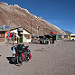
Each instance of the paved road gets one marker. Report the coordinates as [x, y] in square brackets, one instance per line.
[56, 59]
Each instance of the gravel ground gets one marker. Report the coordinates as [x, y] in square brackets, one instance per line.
[52, 59]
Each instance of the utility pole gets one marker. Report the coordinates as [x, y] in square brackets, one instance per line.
[37, 29]
[31, 28]
[45, 30]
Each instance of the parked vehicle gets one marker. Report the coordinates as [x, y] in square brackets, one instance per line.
[72, 36]
[20, 53]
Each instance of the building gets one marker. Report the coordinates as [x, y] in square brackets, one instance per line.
[23, 34]
[56, 35]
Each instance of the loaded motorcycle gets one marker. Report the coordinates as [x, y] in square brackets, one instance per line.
[20, 53]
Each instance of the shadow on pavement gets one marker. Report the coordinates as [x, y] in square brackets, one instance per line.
[11, 60]
[69, 40]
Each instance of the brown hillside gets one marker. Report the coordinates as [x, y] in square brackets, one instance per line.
[17, 16]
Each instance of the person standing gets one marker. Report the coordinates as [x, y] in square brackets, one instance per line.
[17, 39]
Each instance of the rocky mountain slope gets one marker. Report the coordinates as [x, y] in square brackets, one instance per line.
[14, 15]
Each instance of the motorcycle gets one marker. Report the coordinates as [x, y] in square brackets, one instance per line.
[20, 53]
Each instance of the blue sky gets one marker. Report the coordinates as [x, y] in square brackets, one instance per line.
[58, 12]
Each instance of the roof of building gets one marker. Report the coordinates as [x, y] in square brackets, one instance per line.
[8, 28]
[54, 33]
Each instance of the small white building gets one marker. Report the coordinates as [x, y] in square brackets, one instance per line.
[22, 34]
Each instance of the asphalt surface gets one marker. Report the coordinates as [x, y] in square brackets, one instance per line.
[52, 59]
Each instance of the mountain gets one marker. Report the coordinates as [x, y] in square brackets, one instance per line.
[67, 32]
[14, 15]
